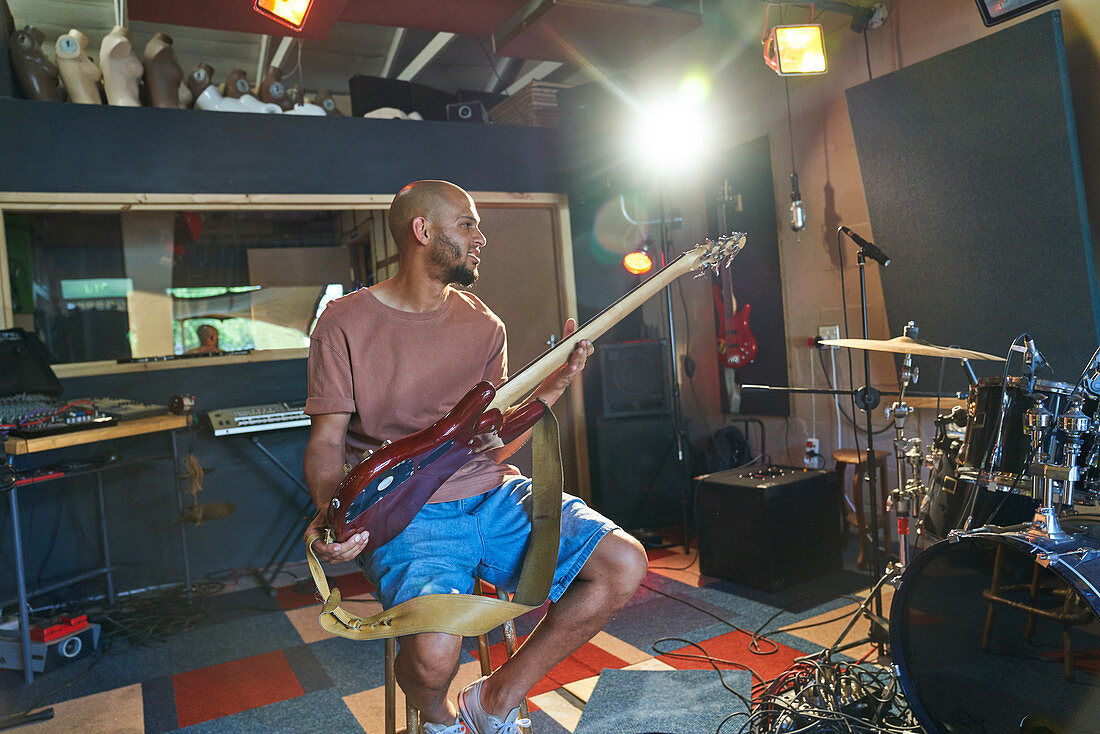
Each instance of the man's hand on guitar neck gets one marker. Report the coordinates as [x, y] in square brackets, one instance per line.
[555, 384]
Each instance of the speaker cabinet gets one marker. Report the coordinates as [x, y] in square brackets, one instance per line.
[472, 111]
[634, 378]
[637, 471]
[768, 528]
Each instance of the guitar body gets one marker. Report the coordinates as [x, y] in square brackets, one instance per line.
[738, 345]
[386, 489]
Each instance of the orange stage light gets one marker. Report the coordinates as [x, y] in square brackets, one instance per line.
[637, 262]
[291, 13]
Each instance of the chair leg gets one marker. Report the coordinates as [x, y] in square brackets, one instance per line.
[510, 647]
[861, 520]
[391, 686]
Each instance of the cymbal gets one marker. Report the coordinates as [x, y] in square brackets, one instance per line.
[908, 345]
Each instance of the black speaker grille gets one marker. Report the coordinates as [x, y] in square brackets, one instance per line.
[634, 378]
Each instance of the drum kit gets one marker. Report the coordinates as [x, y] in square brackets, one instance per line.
[995, 620]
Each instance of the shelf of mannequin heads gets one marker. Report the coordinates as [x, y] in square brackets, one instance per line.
[154, 80]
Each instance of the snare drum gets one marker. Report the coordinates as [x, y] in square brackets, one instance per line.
[996, 447]
[999, 632]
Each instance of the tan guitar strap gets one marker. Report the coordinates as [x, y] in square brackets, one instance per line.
[467, 614]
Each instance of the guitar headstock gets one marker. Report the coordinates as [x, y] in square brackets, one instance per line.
[713, 254]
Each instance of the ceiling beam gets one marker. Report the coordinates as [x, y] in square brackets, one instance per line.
[429, 52]
[542, 70]
[391, 55]
[499, 69]
[261, 63]
[280, 54]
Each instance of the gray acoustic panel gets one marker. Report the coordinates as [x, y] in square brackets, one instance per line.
[973, 182]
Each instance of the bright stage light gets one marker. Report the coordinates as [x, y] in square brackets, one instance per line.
[291, 13]
[672, 135]
[638, 262]
[793, 50]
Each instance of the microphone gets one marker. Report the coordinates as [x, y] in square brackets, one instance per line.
[868, 248]
[1034, 357]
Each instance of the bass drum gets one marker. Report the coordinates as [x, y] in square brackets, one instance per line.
[952, 498]
[987, 639]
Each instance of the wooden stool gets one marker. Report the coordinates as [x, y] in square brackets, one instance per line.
[412, 716]
[844, 457]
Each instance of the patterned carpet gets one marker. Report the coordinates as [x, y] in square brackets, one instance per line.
[256, 663]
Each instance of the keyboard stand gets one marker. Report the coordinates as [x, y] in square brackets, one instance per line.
[290, 541]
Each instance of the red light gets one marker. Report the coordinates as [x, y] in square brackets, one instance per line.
[291, 13]
[637, 262]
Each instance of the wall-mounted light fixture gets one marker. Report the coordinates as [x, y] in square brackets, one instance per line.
[291, 13]
[795, 49]
[638, 262]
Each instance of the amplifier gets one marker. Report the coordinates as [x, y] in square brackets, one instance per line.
[51, 653]
[770, 527]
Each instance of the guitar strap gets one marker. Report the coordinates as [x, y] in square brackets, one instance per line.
[469, 615]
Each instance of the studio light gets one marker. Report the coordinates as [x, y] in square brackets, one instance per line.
[673, 134]
[638, 262]
[291, 13]
[795, 50]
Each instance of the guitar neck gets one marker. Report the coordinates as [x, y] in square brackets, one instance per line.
[526, 380]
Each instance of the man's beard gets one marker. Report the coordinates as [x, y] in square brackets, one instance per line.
[445, 253]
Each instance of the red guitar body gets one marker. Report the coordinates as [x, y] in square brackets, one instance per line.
[736, 344]
[385, 490]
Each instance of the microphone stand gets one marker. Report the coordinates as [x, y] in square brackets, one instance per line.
[683, 479]
[867, 398]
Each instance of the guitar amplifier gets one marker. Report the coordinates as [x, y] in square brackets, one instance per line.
[768, 527]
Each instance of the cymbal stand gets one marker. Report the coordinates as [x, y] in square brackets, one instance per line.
[901, 497]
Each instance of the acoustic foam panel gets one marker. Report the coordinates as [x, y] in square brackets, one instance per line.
[973, 183]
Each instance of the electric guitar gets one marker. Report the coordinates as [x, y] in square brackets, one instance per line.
[735, 343]
[385, 490]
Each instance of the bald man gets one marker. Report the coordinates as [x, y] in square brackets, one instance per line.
[389, 360]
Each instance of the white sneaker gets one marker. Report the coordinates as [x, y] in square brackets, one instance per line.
[456, 728]
[481, 722]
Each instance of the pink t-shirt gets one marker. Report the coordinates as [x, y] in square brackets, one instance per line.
[398, 372]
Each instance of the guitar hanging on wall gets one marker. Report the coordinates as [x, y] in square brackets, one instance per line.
[385, 490]
[735, 343]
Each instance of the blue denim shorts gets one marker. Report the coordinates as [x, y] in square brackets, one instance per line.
[449, 543]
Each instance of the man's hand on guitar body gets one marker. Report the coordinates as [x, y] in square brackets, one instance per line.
[334, 552]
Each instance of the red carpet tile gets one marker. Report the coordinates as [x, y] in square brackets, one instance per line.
[734, 646]
[239, 685]
[350, 585]
[1087, 660]
[586, 662]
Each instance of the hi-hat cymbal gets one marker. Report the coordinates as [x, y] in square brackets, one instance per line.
[907, 345]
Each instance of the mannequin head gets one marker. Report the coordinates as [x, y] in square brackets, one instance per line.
[121, 69]
[201, 77]
[236, 84]
[325, 101]
[272, 89]
[80, 74]
[36, 73]
[162, 72]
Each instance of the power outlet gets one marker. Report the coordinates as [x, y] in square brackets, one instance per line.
[828, 332]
